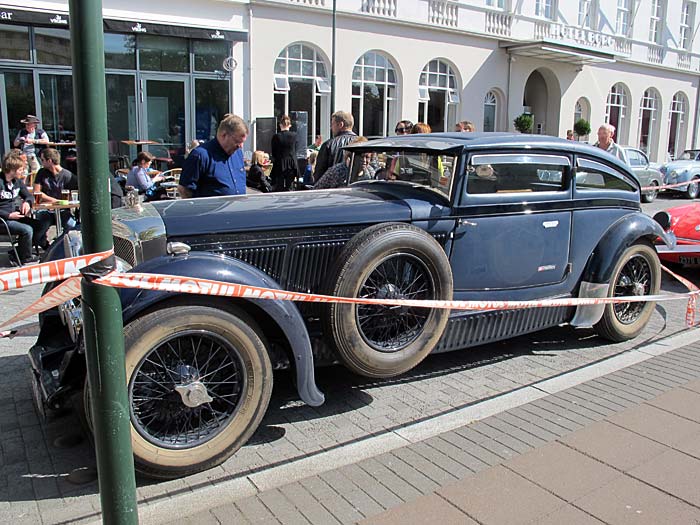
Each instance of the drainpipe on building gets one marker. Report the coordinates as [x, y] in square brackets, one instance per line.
[694, 143]
[510, 62]
[253, 122]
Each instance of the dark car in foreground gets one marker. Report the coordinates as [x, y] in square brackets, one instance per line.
[445, 216]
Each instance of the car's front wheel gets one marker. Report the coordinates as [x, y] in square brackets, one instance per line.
[636, 273]
[389, 261]
[650, 195]
[199, 382]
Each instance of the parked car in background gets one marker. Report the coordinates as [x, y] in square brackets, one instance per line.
[685, 169]
[465, 216]
[684, 223]
[647, 175]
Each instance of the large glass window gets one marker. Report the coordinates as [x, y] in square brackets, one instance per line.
[52, 46]
[58, 113]
[677, 125]
[587, 13]
[616, 111]
[163, 53]
[121, 111]
[438, 95]
[656, 21]
[209, 55]
[624, 13]
[19, 95]
[490, 111]
[302, 89]
[14, 43]
[374, 95]
[211, 104]
[647, 120]
[687, 24]
[545, 8]
[120, 51]
[501, 4]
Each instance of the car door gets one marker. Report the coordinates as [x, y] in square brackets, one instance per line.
[513, 223]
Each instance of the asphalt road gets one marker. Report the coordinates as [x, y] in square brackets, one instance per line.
[45, 467]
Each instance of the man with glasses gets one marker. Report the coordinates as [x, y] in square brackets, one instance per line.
[403, 127]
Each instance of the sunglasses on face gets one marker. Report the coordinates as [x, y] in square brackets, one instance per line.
[399, 131]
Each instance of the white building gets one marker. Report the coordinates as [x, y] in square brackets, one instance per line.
[633, 63]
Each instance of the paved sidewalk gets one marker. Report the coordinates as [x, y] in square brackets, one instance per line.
[622, 448]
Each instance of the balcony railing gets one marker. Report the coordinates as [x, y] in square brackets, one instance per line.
[313, 3]
[443, 13]
[498, 23]
[683, 60]
[380, 7]
[655, 54]
[623, 45]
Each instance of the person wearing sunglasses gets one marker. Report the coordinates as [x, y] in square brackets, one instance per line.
[403, 127]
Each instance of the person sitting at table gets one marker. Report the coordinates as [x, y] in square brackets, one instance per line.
[28, 138]
[138, 177]
[51, 181]
[256, 178]
[16, 209]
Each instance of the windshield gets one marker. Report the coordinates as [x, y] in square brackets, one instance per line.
[430, 170]
[688, 155]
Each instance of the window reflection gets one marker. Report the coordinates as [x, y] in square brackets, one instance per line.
[120, 51]
[52, 46]
[14, 43]
[163, 53]
[57, 106]
[210, 56]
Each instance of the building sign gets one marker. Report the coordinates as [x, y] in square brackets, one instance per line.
[575, 34]
[36, 18]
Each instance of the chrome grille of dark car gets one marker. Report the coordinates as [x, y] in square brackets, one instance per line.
[269, 259]
[309, 265]
[124, 249]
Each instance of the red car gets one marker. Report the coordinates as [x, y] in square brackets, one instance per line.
[684, 222]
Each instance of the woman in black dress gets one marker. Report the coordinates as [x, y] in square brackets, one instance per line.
[284, 156]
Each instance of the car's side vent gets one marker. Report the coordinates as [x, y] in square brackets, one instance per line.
[269, 259]
[124, 249]
[310, 263]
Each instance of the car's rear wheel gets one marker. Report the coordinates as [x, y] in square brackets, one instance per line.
[650, 195]
[199, 382]
[693, 188]
[636, 273]
[389, 261]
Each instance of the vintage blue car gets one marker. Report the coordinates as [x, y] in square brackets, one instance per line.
[686, 168]
[441, 216]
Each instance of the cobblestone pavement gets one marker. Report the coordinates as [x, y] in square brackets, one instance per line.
[47, 468]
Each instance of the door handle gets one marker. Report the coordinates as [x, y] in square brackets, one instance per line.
[465, 222]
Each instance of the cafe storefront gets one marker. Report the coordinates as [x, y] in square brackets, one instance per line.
[165, 83]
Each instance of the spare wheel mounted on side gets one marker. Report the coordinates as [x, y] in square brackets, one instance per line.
[388, 261]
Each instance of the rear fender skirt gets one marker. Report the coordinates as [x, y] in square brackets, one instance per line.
[206, 265]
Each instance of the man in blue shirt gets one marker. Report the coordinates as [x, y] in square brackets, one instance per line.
[216, 167]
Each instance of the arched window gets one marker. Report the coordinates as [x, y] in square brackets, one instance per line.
[438, 96]
[647, 122]
[677, 128]
[582, 110]
[374, 95]
[490, 111]
[616, 111]
[302, 89]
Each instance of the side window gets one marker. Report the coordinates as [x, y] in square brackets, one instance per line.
[595, 176]
[634, 158]
[516, 173]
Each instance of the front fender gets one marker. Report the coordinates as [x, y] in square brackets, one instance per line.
[620, 236]
[206, 265]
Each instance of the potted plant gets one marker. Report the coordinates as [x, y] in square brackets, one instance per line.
[582, 127]
[523, 123]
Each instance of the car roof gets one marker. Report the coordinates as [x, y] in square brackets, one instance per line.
[454, 142]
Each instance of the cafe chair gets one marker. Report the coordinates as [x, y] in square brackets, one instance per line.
[172, 175]
[6, 236]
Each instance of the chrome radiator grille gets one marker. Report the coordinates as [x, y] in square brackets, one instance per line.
[124, 249]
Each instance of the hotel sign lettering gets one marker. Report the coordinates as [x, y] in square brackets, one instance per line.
[578, 35]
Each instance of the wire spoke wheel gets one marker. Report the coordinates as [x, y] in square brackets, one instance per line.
[391, 328]
[171, 384]
[634, 279]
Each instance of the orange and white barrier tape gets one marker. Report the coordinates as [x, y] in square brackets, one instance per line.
[48, 272]
[65, 291]
[692, 296]
[667, 186]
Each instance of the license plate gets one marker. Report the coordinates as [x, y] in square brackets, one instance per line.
[683, 259]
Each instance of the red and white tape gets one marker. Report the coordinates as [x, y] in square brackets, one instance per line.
[666, 186]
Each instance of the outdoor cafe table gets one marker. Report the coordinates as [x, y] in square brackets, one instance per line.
[61, 144]
[139, 143]
[56, 208]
